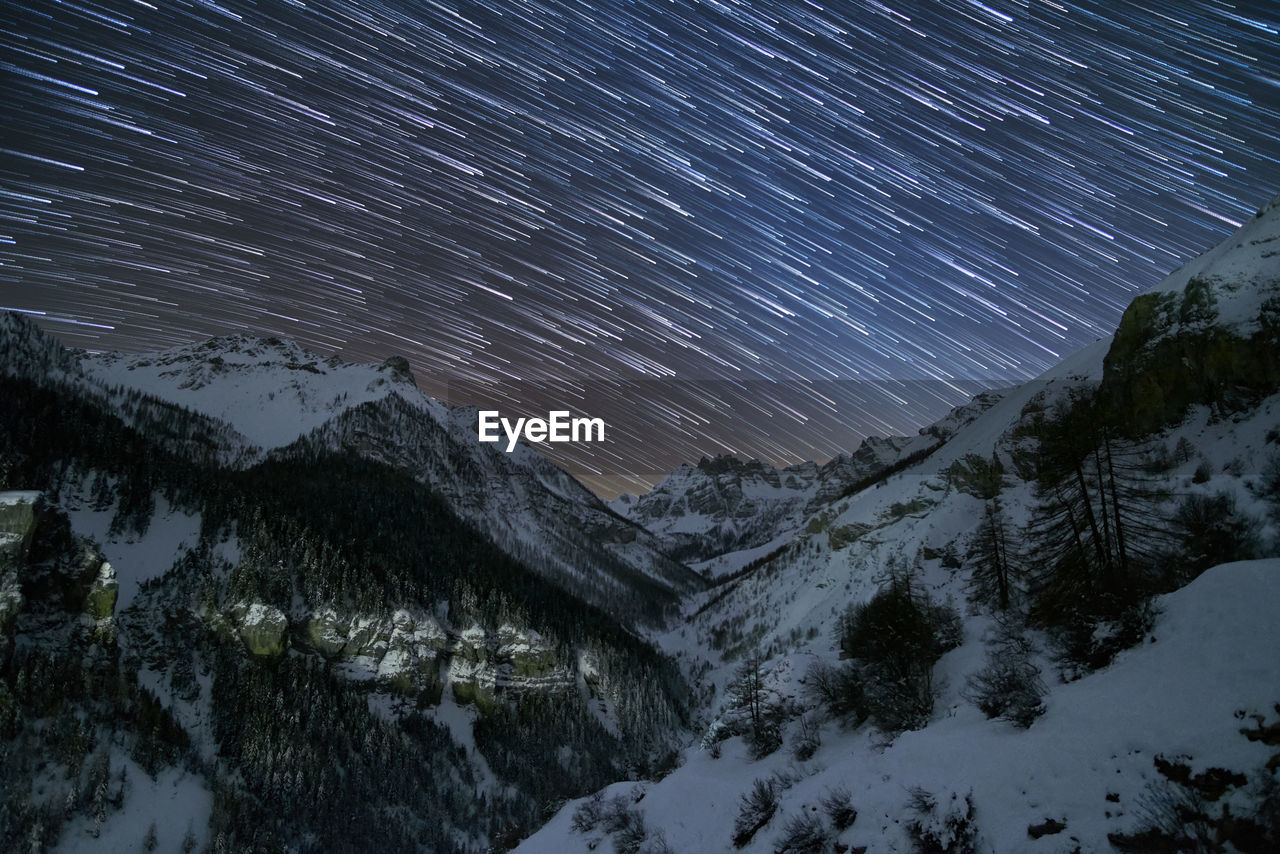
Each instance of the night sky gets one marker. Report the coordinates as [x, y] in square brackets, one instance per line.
[760, 227]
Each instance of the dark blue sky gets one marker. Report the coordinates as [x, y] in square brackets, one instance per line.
[694, 212]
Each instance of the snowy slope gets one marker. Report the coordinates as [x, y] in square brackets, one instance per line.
[176, 805]
[272, 390]
[1179, 695]
[1244, 270]
[846, 548]
[724, 505]
[1087, 763]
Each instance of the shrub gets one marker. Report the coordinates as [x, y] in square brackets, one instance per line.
[766, 738]
[1184, 812]
[588, 814]
[1268, 485]
[624, 824]
[803, 834]
[1085, 645]
[836, 688]
[893, 641]
[628, 838]
[755, 809]
[942, 828]
[1009, 687]
[838, 804]
[1210, 530]
[615, 814]
[658, 844]
[808, 739]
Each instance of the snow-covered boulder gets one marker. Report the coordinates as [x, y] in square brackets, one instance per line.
[261, 628]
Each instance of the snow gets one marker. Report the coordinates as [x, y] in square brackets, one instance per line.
[271, 391]
[1208, 666]
[1209, 663]
[12, 498]
[458, 719]
[136, 560]
[174, 801]
[727, 564]
[985, 431]
[1239, 266]
[1212, 657]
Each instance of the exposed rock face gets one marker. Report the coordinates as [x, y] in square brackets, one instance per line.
[17, 523]
[413, 647]
[261, 628]
[1170, 353]
[100, 599]
[17, 520]
[398, 369]
[1208, 334]
[529, 656]
[100, 602]
[484, 664]
[406, 650]
[362, 635]
[326, 633]
[55, 588]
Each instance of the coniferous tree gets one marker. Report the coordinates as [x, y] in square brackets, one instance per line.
[763, 714]
[992, 553]
[1009, 686]
[892, 643]
[1097, 532]
[996, 574]
[1210, 529]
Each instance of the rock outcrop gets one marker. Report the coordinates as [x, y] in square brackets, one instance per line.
[262, 628]
[1209, 334]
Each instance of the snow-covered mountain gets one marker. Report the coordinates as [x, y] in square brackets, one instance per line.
[1198, 697]
[235, 575]
[1205, 334]
[271, 390]
[724, 505]
[1191, 381]
[280, 400]
[191, 538]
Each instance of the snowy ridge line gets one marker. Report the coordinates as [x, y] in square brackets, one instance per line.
[269, 399]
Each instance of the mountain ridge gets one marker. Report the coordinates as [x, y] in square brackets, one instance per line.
[276, 399]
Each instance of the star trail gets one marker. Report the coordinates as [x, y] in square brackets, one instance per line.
[760, 227]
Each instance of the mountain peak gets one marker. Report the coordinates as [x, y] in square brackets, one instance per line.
[399, 369]
[727, 463]
[271, 389]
